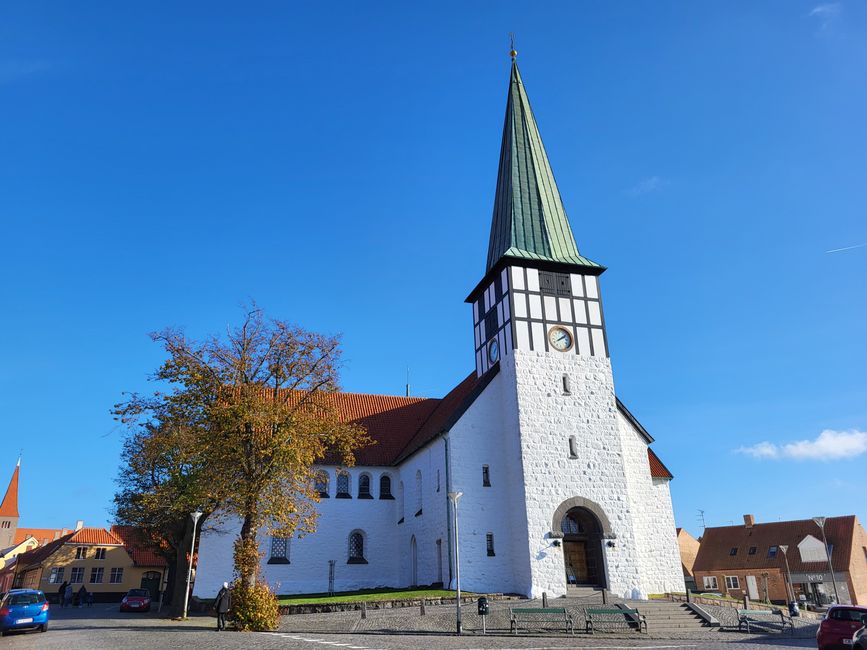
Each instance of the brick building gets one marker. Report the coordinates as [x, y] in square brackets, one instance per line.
[750, 559]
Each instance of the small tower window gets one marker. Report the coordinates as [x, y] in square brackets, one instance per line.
[573, 447]
[364, 487]
[489, 541]
[567, 385]
[418, 493]
[343, 486]
[385, 487]
[321, 484]
[486, 476]
[438, 480]
[356, 548]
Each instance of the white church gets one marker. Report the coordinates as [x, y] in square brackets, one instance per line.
[559, 484]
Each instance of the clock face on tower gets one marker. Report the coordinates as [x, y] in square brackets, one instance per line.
[560, 339]
[493, 351]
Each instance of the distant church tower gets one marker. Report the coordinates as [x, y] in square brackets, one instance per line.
[9, 511]
[586, 498]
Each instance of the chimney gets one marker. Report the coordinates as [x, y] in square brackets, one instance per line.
[749, 521]
[56, 534]
[79, 524]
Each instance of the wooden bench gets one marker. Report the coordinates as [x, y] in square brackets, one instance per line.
[527, 617]
[747, 616]
[614, 618]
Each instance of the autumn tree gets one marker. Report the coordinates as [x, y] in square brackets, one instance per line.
[164, 476]
[256, 405]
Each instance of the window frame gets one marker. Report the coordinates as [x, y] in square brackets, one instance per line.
[489, 544]
[79, 571]
[96, 571]
[706, 579]
[275, 557]
[732, 582]
[486, 476]
[55, 576]
[733, 551]
[99, 553]
[115, 575]
[753, 550]
[360, 558]
[80, 552]
[344, 476]
[322, 478]
[364, 493]
[773, 551]
[385, 494]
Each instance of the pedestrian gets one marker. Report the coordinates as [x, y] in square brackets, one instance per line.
[222, 605]
[90, 599]
[61, 593]
[67, 596]
[82, 596]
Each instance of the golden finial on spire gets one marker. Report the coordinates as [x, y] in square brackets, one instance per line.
[512, 51]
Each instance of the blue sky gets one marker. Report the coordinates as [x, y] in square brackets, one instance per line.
[164, 163]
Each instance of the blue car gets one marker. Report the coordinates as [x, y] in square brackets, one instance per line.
[23, 608]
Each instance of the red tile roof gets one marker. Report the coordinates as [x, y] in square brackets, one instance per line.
[9, 506]
[657, 469]
[96, 536]
[716, 544]
[41, 553]
[140, 550]
[42, 535]
[400, 426]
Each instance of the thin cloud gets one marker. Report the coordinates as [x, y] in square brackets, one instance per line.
[647, 185]
[828, 445]
[846, 248]
[826, 13]
[13, 69]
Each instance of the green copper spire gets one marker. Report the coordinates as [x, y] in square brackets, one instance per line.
[529, 220]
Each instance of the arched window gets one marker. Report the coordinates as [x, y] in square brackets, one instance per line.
[364, 487]
[321, 483]
[356, 548]
[279, 550]
[385, 487]
[343, 485]
[418, 499]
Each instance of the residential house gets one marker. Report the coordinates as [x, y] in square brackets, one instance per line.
[751, 559]
[93, 557]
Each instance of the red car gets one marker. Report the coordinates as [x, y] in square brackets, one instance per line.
[839, 626]
[136, 600]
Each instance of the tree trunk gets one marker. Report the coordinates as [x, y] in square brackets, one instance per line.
[180, 574]
[248, 571]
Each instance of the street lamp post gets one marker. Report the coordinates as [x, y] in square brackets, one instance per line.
[195, 517]
[454, 497]
[790, 589]
[820, 522]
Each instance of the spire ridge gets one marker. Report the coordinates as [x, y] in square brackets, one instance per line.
[529, 219]
[9, 505]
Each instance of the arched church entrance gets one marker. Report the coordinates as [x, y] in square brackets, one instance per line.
[582, 548]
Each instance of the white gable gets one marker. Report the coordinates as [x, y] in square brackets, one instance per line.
[812, 550]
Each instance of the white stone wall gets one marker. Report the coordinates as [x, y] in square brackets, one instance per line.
[387, 543]
[547, 418]
[487, 434]
[653, 517]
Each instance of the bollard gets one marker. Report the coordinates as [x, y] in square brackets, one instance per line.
[746, 602]
[364, 609]
[422, 608]
[604, 596]
[545, 599]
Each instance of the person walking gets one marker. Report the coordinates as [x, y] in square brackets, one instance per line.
[61, 593]
[82, 596]
[67, 596]
[222, 605]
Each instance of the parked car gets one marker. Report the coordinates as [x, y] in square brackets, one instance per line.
[840, 625]
[22, 609]
[136, 600]
[859, 641]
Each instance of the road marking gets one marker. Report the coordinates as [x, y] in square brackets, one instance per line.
[295, 637]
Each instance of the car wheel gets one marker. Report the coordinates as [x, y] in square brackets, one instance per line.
[43, 627]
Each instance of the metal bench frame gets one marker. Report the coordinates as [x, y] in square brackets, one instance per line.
[560, 615]
[628, 616]
[747, 616]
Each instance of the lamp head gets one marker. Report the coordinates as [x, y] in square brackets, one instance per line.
[820, 521]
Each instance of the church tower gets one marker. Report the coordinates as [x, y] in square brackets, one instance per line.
[586, 509]
[9, 511]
